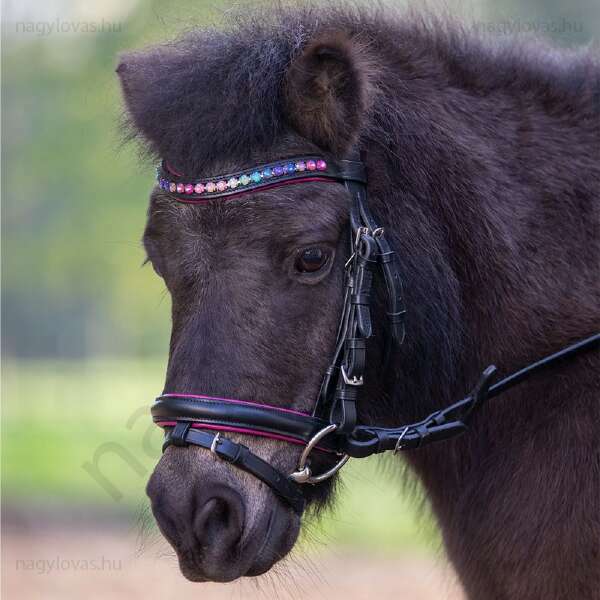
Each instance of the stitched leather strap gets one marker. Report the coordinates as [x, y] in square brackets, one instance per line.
[368, 248]
[240, 456]
[215, 411]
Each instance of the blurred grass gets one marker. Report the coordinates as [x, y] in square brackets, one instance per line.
[60, 415]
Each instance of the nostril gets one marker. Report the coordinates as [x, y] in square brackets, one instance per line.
[219, 521]
[212, 517]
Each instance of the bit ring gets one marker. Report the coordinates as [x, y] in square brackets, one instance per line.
[303, 474]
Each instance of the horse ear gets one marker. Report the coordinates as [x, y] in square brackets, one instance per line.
[142, 76]
[328, 91]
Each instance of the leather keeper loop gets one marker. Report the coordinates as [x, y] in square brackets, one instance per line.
[387, 257]
[346, 393]
[361, 299]
[396, 317]
[356, 343]
[179, 433]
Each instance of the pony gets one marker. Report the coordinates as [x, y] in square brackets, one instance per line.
[483, 162]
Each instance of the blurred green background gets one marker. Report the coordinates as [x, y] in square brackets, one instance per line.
[84, 326]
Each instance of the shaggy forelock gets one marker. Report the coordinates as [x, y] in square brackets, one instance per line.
[218, 91]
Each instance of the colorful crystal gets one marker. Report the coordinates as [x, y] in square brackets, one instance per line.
[255, 177]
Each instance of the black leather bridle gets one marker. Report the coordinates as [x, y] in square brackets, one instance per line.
[332, 426]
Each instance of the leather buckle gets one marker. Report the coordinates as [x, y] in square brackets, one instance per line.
[398, 445]
[355, 381]
[215, 443]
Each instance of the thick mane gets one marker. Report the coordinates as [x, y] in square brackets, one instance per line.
[219, 91]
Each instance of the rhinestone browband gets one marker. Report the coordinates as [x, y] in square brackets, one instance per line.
[186, 189]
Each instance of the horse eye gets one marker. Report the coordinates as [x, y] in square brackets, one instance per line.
[311, 260]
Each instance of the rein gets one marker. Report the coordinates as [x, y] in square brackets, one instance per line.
[332, 426]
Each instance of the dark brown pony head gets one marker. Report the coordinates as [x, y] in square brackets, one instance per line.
[256, 281]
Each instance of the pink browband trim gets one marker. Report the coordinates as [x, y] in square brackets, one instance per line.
[269, 186]
[256, 432]
[245, 402]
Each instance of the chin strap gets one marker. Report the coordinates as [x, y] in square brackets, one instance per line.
[239, 455]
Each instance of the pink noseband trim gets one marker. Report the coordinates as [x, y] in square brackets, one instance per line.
[245, 402]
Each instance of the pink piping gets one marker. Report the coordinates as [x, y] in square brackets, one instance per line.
[245, 402]
[256, 432]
